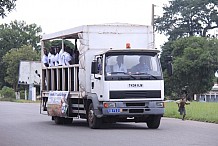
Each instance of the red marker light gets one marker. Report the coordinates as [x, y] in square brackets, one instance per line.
[128, 46]
[105, 105]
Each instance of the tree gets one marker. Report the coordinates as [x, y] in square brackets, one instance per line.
[15, 35]
[195, 62]
[12, 59]
[183, 18]
[58, 43]
[18, 33]
[6, 6]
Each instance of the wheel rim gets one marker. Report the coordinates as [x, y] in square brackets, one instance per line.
[91, 116]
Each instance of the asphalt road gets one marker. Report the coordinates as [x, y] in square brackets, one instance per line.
[22, 125]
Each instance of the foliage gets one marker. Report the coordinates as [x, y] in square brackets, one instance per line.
[198, 111]
[6, 6]
[58, 43]
[15, 35]
[195, 62]
[7, 92]
[22, 94]
[182, 18]
[12, 59]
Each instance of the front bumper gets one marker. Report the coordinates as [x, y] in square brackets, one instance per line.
[133, 109]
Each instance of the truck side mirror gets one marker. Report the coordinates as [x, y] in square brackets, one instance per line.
[94, 69]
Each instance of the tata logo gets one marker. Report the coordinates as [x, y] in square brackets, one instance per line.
[136, 85]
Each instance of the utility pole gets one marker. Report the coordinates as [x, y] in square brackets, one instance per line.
[152, 24]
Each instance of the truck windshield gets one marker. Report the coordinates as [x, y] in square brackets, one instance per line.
[132, 66]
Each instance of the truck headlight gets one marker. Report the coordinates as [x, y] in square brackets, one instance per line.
[160, 104]
[109, 104]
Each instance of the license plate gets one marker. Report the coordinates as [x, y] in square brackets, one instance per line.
[114, 110]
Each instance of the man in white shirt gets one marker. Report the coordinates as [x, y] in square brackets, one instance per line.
[51, 57]
[45, 58]
[119, 67]
[57, 57]
[66, 57]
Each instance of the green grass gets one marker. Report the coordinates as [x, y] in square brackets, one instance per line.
[197, 111]
[19, 101]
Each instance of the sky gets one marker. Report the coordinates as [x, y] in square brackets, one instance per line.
[57, 15]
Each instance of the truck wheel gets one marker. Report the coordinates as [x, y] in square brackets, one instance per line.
[153, 122]
[58, 120]
[93, 121]
[68, 121]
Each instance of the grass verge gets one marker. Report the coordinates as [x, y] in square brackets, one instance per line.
[197, 111]
[19, 101]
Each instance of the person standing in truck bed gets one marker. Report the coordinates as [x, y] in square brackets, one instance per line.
[45, 58]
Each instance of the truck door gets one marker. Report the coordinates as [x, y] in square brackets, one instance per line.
[97, 79]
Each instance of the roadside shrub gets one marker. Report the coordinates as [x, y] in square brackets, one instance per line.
[7, 92]
[22, 94]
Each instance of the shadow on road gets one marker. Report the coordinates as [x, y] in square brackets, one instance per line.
[83, 123]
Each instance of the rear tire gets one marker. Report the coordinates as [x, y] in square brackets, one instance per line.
[93, 121]
[154, 122]
[58, 120]
[68, 121]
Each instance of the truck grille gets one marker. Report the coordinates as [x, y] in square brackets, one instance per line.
[135, 94]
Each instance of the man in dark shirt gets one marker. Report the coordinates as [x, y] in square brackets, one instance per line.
[141, 66]
[181, 104]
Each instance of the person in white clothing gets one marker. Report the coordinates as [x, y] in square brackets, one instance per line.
[119, 67]
[107, 67]
[60, 59]
[66, 57]
[46, 64]
[45, 58]
[57, 57]
[51, 57]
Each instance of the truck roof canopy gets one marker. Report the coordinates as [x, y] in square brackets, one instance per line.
[100, 28]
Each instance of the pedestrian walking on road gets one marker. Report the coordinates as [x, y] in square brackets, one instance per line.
[181, 105]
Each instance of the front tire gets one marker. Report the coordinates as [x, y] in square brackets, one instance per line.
[154, 122]
[93, 121]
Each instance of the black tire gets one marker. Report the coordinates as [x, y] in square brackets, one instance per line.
[68, 121]
[154, 122]
[93, 121]
[58, 120]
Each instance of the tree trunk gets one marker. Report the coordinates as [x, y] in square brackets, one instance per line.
[204, 32]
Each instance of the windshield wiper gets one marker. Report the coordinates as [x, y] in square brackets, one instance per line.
[145, 73]
[124, 74]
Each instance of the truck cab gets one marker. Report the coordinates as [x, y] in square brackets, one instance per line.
[128, 84]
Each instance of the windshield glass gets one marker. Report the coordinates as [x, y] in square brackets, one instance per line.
[132, 66]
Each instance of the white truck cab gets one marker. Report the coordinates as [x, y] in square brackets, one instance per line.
[135, 92]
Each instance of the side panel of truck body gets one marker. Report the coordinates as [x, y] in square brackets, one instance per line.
[97, 38]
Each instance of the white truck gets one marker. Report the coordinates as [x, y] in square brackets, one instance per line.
[95, 89]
